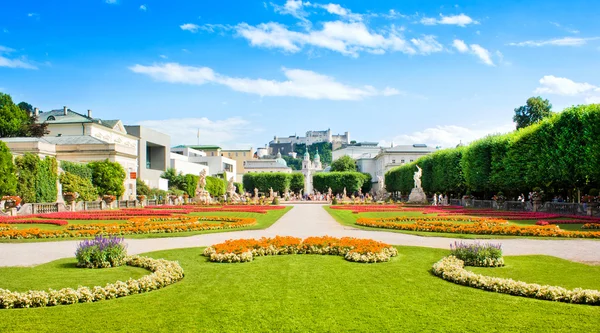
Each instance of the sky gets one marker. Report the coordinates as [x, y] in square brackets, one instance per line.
[241, 72]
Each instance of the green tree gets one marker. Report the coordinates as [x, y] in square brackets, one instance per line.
[25, 107]
[27, 166]
[176, 180]
[215, 186]
[532, 112]
[191, 183]
[296, 182]
[344, 163]
[13, 120]
[108, 177]
[142, 188]
[83, 186]
[79, 169]
[45, 180]
[8, 180]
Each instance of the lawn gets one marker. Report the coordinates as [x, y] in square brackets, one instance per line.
[263, 221]
[314, 293]
[347, 218]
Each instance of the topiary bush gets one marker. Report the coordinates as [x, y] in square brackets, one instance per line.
[101, 252]
[79, 169]
[108, 177]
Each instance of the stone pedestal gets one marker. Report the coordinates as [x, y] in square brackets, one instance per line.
[417, 196]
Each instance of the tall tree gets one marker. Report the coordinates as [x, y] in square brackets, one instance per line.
[12, 118]
[344, 163]
[8, 181]
[532, 112]
[25, 107]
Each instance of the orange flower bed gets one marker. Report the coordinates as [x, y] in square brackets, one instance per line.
[139, 225]
[353, 249]
[479, 227]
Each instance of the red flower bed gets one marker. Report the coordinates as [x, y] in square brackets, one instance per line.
[109, 215]
[564, 222]
[33, 221]
[218, 208]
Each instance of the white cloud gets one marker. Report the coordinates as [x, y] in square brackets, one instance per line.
[112, 2]
[228, 133]
[460, 46]
[336, 9]
[14, 62]
[551, 84]
[294, 8]
[566, 41]
[592, 100]
[348, 38]
[427, 44]
[460, 20]
[448, 136]
[163, 56]
[567, 29]
[143, 8]
[388, 91]
[483, 54]
[475, 49]
[298, 83]
[190, 27]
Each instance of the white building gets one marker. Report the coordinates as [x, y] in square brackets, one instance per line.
[357, 150]
[267, 165]
[309, 168]
[389, 158]
[188, 160]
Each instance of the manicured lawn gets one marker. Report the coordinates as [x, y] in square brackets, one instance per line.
[263, 221]
[312, 293]
[347, 218]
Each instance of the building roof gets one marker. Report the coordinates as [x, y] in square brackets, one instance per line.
[199, 147]
[72, 117]
[264, 164]
[74, 140]
[415, 148]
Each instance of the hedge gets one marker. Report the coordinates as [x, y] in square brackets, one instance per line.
[558, 154]
[350, 180]
[278, 181]
[36, 178]
[108, 177]
[74, 183]
[8, 181]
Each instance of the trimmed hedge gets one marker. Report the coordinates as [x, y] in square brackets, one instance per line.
[36, 178]
[215, 186]
[558, 154]
[279, 181]
[352, 181]
[8, 181]
[80, 169]
[74, 183]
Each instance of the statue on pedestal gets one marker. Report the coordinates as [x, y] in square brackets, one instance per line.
[271, 193]
[381, 191]
[202, 196]
[231, 191]
[417, 195]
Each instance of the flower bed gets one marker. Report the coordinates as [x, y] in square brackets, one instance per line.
[452, 269]
[217, 208]
[140, 225]
[164, 273]
[590, 226]
[101, 252]
[476, 254]
[482, 227]
[546, 222]
[34, 221]
[352, 249]
[4, 227]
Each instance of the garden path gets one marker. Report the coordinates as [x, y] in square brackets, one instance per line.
[301, 221]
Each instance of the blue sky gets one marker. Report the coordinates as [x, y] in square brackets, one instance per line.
[244, 71]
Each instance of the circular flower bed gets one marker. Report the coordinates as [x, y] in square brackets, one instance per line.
[164, 273]
[352, 249]
[452, 269]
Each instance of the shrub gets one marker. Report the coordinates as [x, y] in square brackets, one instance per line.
[36, 178]
[74, 183]
[476, 254]
[190, 184]
[108, 177]
[79, 169]
[296, 182]
[215, 186]
[275, 201]
[141, 188]
[45, 180]
[101, 252]
[8, 181]
[337, 181]
[334, 201]
[280, 182]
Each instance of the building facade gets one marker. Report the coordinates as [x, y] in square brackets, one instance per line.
[153, 155]
[286, 145]
[267, 165]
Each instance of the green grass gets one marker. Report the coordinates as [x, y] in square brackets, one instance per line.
[312, 293]
[347, 218]
[263, 221]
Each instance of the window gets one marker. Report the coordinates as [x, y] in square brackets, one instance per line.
[244, 153]
[393, 161]
[51, 118]
[236, 154]
[148, 159]
[402, 161]
[411, 160]
[212, 153]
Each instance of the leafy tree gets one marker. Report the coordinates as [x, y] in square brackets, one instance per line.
[25, 107]
[215, 186]
[83, 186]
[79, 169]
[293, 163]
[176, 180]
[8, 180]
[368, 183]
[532, 112]
[141, 188]
[108, 177]
[239, 188]
[12, 118]
[344, 163]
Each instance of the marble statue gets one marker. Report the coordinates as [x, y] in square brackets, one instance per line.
[255, 193]
[202, 196]
[417, 177]
[231, 191]
[271, 193]
[435, 200]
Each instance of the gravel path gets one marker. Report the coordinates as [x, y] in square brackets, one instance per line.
[302, 221]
